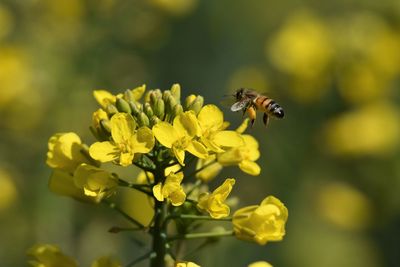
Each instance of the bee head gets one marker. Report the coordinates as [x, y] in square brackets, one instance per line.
[239, 93]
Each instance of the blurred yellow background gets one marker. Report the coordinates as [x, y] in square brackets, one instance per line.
[334, 160]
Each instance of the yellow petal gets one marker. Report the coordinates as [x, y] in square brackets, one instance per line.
[143, 140]
[211, 145]
[104, 98]
[187, 124]
[157, 192]
[138, 92]
[211, 118]
[177, 197]
[179, 155]
[62, 183]
[122, 127]
[260, 264]
[251, 147]
[198, 149]
[104, 151]
[242, 127]
[228, 139]
[165, 134]
[250, 167]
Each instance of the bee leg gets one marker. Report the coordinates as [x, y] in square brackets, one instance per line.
[252, 122]
[265, 119]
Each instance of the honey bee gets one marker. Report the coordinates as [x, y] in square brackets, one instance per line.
[249, 101]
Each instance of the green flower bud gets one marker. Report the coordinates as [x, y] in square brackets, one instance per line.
[153, 98]
[154, 120]
[143, 119]
[134, 108]
[178, 109]
[166, 94]
[128, 95]
[111, 110]
[105, 126]
[148, 110]
[197, 104]
[189, 101]
[171, 103]
[122, 105]
[176, 92]
[159, 108]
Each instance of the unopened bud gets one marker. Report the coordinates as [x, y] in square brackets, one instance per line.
[128, 95]
[105, 126]
[154, 120]
[111, 110]
[148, 110]
[177, 110]
[122, 105]
[143, 119]
[197, 104]
[189, 101]
[152, 98]
[171, 102]
[166, 94]
[159, 108]
[134, 108]
[176, 92]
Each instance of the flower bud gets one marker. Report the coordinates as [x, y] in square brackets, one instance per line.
[111, 109]
[154, 120]
[166, 94]
[122, 105]
[152, 98]
[134, 108]
[148, 110]
[105, 126]
[129, 95]
[171, 103]
[143, 119]
[177, 110]
[176, 92]
[197, 104]
[159, 108]
[189, 101]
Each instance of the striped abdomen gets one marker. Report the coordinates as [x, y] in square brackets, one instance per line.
[269, 106]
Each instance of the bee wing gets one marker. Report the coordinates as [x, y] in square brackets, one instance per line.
[239, 105]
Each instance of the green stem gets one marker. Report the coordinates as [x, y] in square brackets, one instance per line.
[116, 208]
[159, 232]
[201, 235]
[196, 184]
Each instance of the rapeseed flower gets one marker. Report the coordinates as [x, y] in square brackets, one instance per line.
[171, 189]
[261, 223]
[126, 141]
[214, 203]
[180, 136]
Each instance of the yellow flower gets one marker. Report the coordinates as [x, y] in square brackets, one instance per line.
[213, 136]
[180, 136]
[243, 156]
[214, 203]
[46, 255]
[95, 182]
[106, 262]
[65, 152]
[186, 264]
[171, 189]
[127, 141]
[260, 264]
[261, 223]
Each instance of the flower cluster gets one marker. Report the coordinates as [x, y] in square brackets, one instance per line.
[158, 134]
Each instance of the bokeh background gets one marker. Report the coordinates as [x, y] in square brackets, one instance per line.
[334, 160]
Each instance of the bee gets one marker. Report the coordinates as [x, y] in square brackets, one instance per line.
[249, 101]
